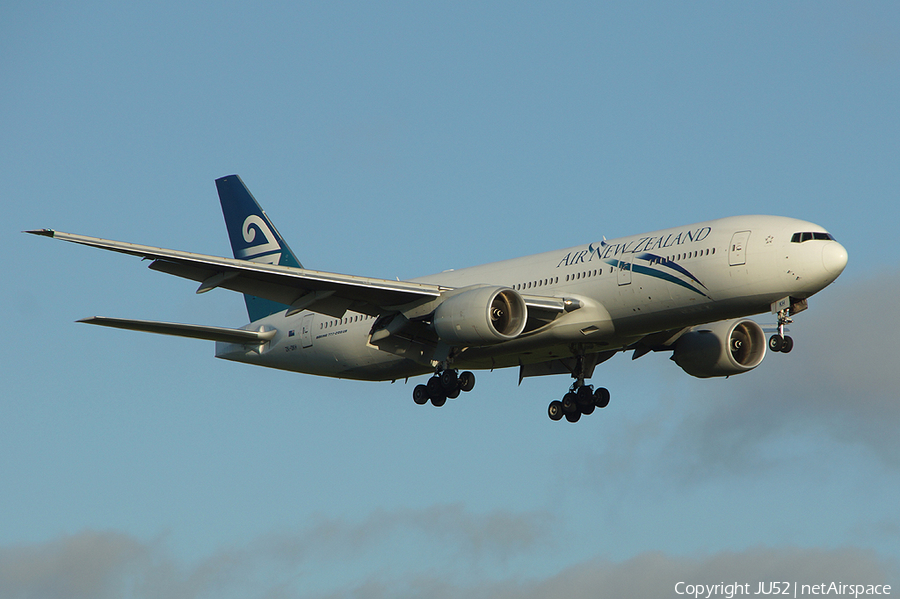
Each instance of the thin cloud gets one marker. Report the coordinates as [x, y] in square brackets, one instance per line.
[838, 388]
[496, 535]
[841, 381]
[86, 565]
[100, 565]
[654, 574]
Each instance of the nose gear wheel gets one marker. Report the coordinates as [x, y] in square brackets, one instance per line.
[779, 342]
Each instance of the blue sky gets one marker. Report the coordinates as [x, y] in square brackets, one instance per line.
[400, 140]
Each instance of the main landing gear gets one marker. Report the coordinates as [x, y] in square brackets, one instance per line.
[579, 400]
[444, 385]
[779, 342]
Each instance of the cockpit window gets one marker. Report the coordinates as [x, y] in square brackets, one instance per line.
[809, 236]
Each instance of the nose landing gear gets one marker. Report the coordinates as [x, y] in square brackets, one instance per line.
[779, 342]
[444, 385]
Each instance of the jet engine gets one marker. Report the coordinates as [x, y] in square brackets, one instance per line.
[721, 348]
[480, 316]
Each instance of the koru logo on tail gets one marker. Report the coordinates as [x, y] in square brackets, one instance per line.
[267, 252]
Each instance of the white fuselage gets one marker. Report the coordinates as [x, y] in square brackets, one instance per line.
[627, 288]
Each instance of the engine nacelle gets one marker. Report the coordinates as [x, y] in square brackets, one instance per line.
[480, 316]
[721, 348]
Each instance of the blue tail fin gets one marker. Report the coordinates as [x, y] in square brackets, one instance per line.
[253, 237]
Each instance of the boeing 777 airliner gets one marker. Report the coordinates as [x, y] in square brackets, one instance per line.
[688, 290]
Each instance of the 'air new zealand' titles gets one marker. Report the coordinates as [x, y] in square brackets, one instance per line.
[687, 290]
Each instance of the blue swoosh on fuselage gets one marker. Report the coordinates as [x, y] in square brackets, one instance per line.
[652, 272]
[671, 264]
[665, 276]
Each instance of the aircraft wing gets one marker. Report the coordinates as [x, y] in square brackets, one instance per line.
[298, 288]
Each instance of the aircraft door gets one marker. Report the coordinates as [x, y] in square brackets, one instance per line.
[623, 271]
[306, 326]
[737, 251]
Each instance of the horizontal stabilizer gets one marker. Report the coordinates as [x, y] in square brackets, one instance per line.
[194, 331]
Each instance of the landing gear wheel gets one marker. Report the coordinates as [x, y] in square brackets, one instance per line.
[443, 385]
[466, 381]
[573, 416]
[420, 395]
[570, 404]
[555, 411]
[776, 343]
[585, 394]
[788, 345]
[601, 397]
[585, 400]
[434, 387]
[449, 380]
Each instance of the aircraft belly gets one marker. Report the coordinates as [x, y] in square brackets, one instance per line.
[340, 352]
[503, 357]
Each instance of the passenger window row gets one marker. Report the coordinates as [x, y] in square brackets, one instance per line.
[348, 320]
[536, 284]
[585, 274]
[684, 256]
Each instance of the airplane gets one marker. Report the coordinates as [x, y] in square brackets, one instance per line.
[688, 290]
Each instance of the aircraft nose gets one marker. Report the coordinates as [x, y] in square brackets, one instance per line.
[834, 258]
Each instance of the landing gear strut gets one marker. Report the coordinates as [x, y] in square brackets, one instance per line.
[779, 342]
[581, 398]
[444, 385]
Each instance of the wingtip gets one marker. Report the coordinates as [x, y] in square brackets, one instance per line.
[42, 232]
